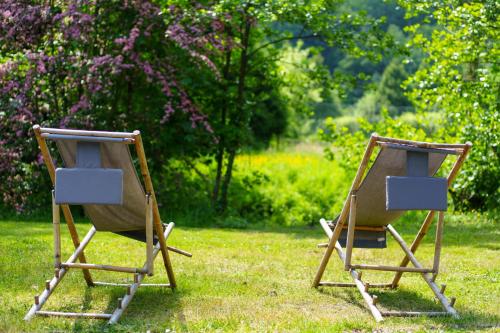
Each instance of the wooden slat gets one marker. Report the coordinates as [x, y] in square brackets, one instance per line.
[104, 267]
[86, 133]
[365, 228]
[149, 235]
[410, 147]
[414, 313]
[347, 285]
[392, 268]
[74, 314]
[112, 284]
[56, 218]
[421, 144]
[88, 138]
[350, 232]
[439, 239]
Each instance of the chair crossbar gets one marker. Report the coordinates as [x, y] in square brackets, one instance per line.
[349, 285]
[83, 132]
[111, 284]
[103, 267]
[415, 313]
[74, 314]
[393, 268]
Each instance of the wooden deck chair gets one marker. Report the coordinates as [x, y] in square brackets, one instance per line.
[100, 175]
[400, 179]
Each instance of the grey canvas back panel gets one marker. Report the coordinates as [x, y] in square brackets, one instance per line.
[417, 164]
[371, 196]
[416, 193]
[131, 215]
[80, 186]
[88, 155]
[365, 239]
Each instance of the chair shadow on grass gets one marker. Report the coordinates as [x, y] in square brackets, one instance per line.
[485, 235]
[155, 306]
[406, 300]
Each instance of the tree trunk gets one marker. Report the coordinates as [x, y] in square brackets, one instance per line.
[227, 179]
[221, 145]
[239, 118]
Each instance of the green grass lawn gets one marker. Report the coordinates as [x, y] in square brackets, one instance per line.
[249, 280]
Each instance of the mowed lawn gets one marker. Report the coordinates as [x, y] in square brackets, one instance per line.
[249, 280]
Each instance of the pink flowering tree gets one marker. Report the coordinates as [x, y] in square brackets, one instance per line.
[96, 64]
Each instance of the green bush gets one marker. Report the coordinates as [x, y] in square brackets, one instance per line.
[287, 188]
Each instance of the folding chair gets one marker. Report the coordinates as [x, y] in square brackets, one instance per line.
[400, 179]
[99, 174]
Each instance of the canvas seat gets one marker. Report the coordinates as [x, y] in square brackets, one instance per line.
[402, 177]
[98, 172]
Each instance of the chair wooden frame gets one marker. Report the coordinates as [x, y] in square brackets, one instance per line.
[153, 225]
[355, 270]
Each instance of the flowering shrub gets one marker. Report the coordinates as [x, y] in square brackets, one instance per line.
[89, 64]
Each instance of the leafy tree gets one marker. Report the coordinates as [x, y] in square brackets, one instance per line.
[390, 93]
[456, 87]
[256, 29]
[460, 77]
[304, 89]
[96, 64]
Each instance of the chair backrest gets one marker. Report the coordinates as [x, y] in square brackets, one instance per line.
[391, 161]
[113, 198]
[416, 190]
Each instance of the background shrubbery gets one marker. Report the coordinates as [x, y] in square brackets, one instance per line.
[213, 86]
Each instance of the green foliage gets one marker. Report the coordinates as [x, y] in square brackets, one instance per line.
[287, 188]
[390, 94]
[460, 77]
[348, 148]
[306, 95]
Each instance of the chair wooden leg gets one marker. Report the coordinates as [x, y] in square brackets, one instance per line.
[125, 301]
[350, 233]
[361, 287]
[426, 276]
[56, 219]
[149, 235]
[333, 236]
[439, 239]
[54, 282]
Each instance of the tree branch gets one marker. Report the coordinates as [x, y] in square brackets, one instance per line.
[279, 40]
[203, 176]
